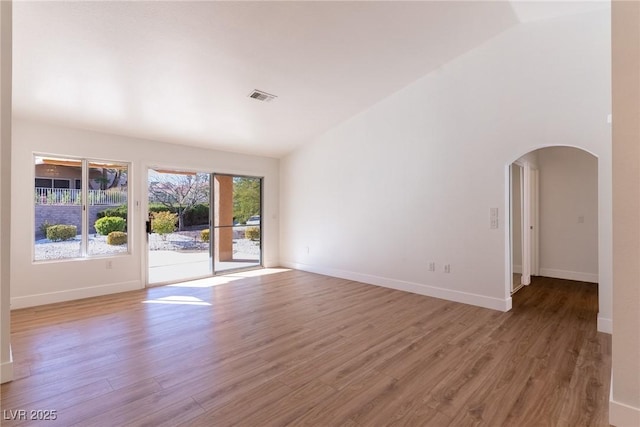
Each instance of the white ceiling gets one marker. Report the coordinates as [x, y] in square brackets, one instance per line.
[180, 72]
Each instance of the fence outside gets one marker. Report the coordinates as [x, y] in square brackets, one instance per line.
[71, 196]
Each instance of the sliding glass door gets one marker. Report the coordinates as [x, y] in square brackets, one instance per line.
[237, 222]
[187, 239]
[179, 214]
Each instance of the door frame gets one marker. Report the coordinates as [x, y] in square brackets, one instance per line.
[515, 287]
[534, 220]
[143, 207]
[529, 200]
[604, 231]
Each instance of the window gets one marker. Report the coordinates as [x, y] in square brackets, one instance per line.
[72, 196]
[52, 183]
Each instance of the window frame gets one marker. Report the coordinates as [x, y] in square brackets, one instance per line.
[85, 186]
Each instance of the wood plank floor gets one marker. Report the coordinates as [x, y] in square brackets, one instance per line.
[294, 348]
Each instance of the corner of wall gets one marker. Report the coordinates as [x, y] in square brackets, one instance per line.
[6, 358]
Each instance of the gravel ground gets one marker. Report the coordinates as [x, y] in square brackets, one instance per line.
[190, 241]
[46, 249]
[181, 241]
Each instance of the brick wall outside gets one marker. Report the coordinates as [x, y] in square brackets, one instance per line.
[69, 215]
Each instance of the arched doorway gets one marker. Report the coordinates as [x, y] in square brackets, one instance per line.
[561, 232]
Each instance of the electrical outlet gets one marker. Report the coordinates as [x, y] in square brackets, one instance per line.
[307, 249]
[432, 266]
[109, 264]
[447, 268]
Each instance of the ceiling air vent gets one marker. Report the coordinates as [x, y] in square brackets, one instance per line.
[262, 96]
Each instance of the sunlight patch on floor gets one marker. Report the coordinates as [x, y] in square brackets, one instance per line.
[177, 299]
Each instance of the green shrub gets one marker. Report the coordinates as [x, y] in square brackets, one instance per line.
[45, 226]
[197, 215]
[204, 235]
[106, 225]
[61, 232]
[164, 222]
[120, 211]
[157, 207]
[252, 233]
[116, 238]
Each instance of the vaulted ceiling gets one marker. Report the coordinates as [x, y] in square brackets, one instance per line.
[181, 72]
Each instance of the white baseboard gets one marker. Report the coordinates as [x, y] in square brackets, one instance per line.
[622, 415]
[605, 325]
[73, 294]
[267, 263]
[6, 369]
[416, 288]
[569, 275]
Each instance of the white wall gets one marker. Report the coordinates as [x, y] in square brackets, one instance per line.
[6, 362]
[624, 406]
[412, 179]
[568, 214]
[45, 282]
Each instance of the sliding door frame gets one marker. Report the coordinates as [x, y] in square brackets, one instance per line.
[212, 175]
[212, 226]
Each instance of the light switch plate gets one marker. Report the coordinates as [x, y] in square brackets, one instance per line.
[493, 214]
